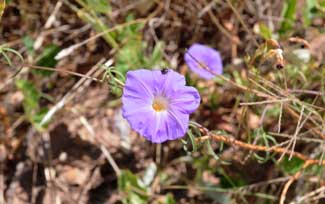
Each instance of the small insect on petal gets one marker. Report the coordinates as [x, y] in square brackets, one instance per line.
[164, 71]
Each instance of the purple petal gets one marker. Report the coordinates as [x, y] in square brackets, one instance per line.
[183, 98]
[156, 131]
[187, 100]
[139, 118]
[176, 124]
[153, 81]
[167, 126]
[200, 54]
[139, 83]
[169, 83]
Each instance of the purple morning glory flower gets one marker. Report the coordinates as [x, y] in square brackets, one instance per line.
[157, 103]
[201, 58]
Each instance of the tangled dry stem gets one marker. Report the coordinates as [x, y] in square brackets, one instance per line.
[233, 142]
[292, 179]
[252, 147]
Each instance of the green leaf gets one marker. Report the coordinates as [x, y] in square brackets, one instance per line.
[288, 15]
[156, 56]
[192, 138]
[8, 49]
[47, 59]
[130, 184]
[29, 44]
[264, 31]
[308, 13]
[130, 31]
[132, 54]
[214, 155]
[101, 6]
[31, 94]
[134, 198]
[169, 199]
[227, 181]
[319, 8]
[37, 118]
[263, 139]
[291, 166]
[7, 58]
[237, 77]
[31, 103]
[214, 100]
[88, 14]
[127, 179]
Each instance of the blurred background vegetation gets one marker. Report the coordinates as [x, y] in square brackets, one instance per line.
[62, 136]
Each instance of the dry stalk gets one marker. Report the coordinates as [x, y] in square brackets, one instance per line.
[292, 179]
[232, 141]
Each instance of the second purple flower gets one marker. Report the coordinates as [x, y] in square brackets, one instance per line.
[204, 61]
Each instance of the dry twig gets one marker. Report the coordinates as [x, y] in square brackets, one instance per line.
[232, 141]
[292, 179]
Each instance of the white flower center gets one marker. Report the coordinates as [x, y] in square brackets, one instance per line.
[160, 104]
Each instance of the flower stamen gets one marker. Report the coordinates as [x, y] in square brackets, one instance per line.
[160, 104]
